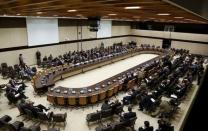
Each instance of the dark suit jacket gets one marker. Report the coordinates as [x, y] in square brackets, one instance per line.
[129, 115]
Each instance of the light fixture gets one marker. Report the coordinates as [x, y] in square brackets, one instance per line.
[71, 10]
[18, 14]
[5, 15]
[55, 15]
[179, 17]
[132, 7]
[163, 14]
[39, 13]
[112, 14]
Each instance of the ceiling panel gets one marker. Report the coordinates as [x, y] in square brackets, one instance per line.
[108, 9]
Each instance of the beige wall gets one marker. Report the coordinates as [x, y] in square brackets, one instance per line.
[195, 48]
[13, 37]
[121, 30]
[67, 33]
[151, 41]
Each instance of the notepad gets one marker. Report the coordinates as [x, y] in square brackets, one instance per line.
[57, 91]
[173, 96]
[97, 88]
[153, 100]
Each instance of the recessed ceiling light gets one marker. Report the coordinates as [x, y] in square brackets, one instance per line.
[39, 13]
[163, 14]
[136, 17]
[80, 15]
[112, 14]
[18, 14]
[178, 17]
[132, 7]
[71, 10]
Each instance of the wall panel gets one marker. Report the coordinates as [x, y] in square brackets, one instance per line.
[13, 37]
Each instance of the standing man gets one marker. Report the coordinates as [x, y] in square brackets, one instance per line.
[38, 56]
[21, 62]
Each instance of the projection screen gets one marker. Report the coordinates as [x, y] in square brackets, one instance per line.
[42, 31]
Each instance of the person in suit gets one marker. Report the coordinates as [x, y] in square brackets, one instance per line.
[127, 116]
[35, 109]
[21, 62]
[114, 105]
[38, 57]
[105, 105]
[146, 127]
[13, 96]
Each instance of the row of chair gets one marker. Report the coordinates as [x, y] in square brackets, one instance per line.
[99, 115]
[19, 125]
[118, 126]
[42, 117]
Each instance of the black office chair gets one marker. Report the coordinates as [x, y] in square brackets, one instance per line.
[31, 128]
[59, 118]
[16, 126]
[4, 120]
[92, 117]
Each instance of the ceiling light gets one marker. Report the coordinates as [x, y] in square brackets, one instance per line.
[132, 7]
[112, 14]
[5, 15]
[178, 17]
[39, 13]
[71, 10]
[55, 15]
[163, 14]
[18, 14]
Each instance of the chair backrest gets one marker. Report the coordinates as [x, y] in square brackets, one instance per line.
[35, 128]
[104, 128]
[29, 113]
[16, 126]
[6, 118]
[51, 98]
[43, 116]
[119, 109]
[72, 101]
[11, 127]
[106, 113]
[102, 95]
[53, 129]
[21, 111]
[59, 117]
[26, 129]
[110, 92]
[94, 98]
[82, 100]
[93, 116]
[60, 100]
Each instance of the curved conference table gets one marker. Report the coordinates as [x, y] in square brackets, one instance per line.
[66, 96]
